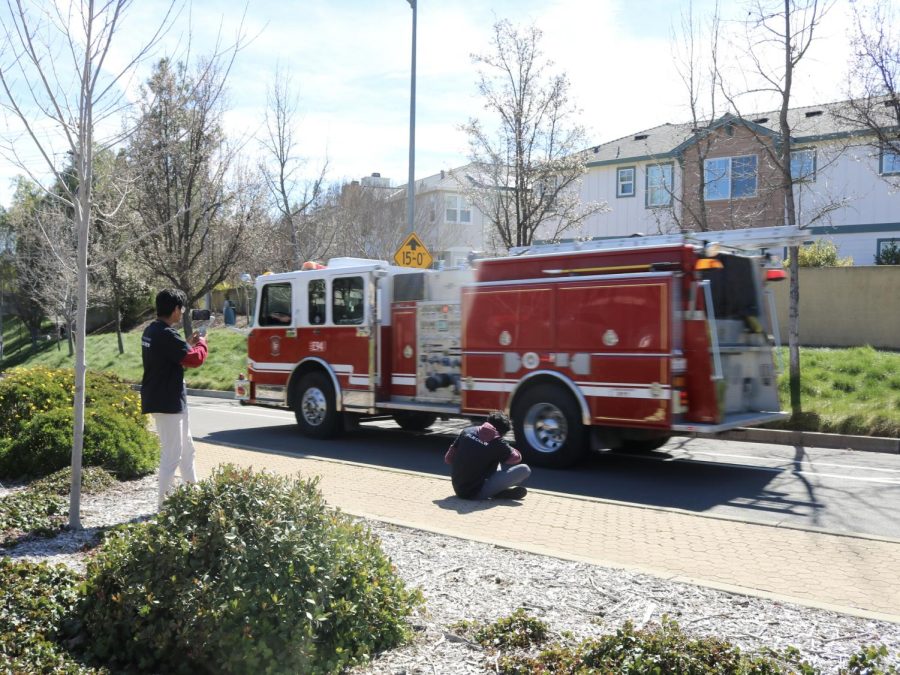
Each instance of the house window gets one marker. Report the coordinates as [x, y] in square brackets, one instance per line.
[659, 185]
[275, 305]
[803, 165]
[887, 251]
[890, 162]
[625, 182]
[457, 210]
[347, 297]
[730, 177]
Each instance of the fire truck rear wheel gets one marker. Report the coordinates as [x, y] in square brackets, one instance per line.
[314, 407]
[548, 428]
[414, 420]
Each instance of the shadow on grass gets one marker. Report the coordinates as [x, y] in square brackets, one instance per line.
[19, 350]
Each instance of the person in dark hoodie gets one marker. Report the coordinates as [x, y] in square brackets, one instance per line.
[484, 465]
[165, 355]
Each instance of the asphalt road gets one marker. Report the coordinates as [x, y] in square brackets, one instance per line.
[836, 490]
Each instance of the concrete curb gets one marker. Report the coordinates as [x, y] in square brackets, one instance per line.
[814, 440]
[211, 393]
[810, 439]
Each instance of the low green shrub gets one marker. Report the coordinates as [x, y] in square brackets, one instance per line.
[111, 440]
[243, 572]
[93, 480]
[38, 611]
[659, 649]
[41, 509]
[870, 660]
[518, 630]
[26, 392]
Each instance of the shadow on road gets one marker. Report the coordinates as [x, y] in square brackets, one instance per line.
[650, 479]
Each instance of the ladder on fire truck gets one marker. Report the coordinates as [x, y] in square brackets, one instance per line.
[749, 239]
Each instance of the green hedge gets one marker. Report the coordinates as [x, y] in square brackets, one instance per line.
[38, 611]
[25, 392]
[244, 572]
[36, 420]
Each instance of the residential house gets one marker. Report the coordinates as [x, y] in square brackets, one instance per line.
[450, 226]
[721, 176]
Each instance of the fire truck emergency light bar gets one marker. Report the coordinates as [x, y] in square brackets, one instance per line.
[746, 239]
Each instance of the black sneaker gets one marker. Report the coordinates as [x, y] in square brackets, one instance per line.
[517, 492]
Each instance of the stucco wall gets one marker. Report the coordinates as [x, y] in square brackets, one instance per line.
[845, 306]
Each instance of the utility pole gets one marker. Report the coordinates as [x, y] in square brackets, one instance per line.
[411, 183]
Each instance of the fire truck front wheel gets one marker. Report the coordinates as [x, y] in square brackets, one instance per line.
[548, 428]
[315, 408]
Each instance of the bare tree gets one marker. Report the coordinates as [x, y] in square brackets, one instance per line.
[292, 196]
[530, 167]
[184, 192]
[778, 36]
[46, 268]
[112, 257]
[697, 64]
[363, 220]
[60, 50]
[874, 81]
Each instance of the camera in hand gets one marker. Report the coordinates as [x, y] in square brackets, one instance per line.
[200, 315]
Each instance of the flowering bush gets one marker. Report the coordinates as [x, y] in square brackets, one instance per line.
[25, 392]
[36, 420]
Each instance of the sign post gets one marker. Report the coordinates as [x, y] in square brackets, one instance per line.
[413, 253]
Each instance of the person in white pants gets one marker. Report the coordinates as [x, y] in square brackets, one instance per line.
[176, 450]
[165, 355]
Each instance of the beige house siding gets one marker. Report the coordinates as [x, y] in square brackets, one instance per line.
[845, 306]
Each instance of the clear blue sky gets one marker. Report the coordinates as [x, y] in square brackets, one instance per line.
[350, 62]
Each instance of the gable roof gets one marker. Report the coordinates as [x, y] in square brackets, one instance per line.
[808, 124]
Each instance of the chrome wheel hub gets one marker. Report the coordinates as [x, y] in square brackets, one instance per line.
[545, 427]
[314, 406]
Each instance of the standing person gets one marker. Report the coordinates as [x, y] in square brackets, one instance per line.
[163, 394]
[484, 465]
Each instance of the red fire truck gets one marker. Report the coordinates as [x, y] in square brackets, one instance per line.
[608, 344]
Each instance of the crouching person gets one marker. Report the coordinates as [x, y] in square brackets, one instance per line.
[484, 465]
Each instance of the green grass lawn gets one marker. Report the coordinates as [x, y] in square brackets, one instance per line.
[847, 391]
[227, 358]
[850, 391]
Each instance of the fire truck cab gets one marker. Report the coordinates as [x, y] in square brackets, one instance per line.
[616, 344]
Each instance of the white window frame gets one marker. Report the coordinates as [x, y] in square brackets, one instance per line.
[667, 172]
[809, 177]
[728, 177]
[460, 210]
[894, 163]
[621, 182]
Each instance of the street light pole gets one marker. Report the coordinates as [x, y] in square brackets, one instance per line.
[411, 182]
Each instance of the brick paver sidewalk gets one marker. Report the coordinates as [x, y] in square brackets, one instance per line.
[850, 574]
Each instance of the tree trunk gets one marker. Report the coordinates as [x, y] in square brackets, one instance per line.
[119, 331]
[115, 285]
[82, 224]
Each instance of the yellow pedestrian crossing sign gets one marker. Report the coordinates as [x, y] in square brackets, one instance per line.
[413, 253]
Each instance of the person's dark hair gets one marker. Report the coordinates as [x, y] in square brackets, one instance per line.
[168, 299]
[500, 421]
